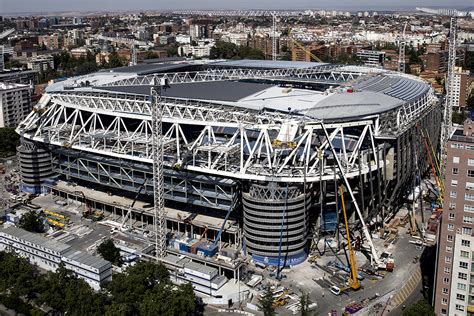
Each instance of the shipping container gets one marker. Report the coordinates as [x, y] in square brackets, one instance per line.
[208, 249]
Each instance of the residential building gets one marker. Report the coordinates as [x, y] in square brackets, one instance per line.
[462, 87]
[371, 58]
[19, 76]
[15, 103]
[53, 41]
[41, 63]
[48, 253]
[454, 285]
[2, 62]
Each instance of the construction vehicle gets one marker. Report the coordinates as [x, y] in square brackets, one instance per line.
[353, 276]
[280, 300]
[302, 47]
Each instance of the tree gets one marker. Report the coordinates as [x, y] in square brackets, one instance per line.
[459, 118]
[9, 140]
[422, 307]
[31, 222]
[110, 252]
[265, 304]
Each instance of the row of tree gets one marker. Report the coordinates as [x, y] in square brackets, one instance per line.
[144, 289]
[9, 139]
[227, 50]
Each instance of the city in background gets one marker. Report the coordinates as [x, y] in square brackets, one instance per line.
[227, 145]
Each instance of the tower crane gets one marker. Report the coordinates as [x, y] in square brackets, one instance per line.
[274, 43]
[159, 219]
[401, 53]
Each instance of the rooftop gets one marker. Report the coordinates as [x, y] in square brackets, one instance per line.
[36, 239]
[86, 259]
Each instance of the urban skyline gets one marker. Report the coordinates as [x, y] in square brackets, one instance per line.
[26, 6]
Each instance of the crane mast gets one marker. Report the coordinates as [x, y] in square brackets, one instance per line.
[159, 221]
[274, 42]
[401, 53]
[450, 101]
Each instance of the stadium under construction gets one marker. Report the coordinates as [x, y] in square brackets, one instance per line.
[254, 151]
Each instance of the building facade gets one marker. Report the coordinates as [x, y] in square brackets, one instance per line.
[41, 63]
[48, 254]
[15, 103]
[372, 58]
[454, 290]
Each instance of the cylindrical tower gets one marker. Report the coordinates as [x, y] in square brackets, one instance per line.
[35, 166]
[276, 223]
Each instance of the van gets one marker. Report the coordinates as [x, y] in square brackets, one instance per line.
[335, 290]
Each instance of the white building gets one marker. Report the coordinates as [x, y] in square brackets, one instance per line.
[15, 103]
[48, 254]
[203, 49]
[372, 58]
[41, 63]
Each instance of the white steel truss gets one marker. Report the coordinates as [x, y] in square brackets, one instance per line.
[328, 73]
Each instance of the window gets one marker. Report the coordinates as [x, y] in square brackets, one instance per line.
[467, 231]
[469, 185]
[447, 259]
[469, 197]
[464, 254]
[470, 147]
[455, 159]
[452, 206]
[462, 276]
[463, 264]
[450, 238]
[449, 249]
[450, 227]
[459, 307]
[445, 290]
[457, 146]
[447, 270]
[461, 286]
[453, 194]
[470, 162]
[455, 171]
[465, 243]
[468, 208]
[467, 219]
[446, 280]
[451, 216]
[461, 297]
[470, 173]
[454, 183]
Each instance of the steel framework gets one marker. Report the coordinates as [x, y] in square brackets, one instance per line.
[159, 218]
[450, 92]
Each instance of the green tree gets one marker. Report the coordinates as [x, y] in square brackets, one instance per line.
[422, 307]
[9, 139]
[17, 275]
[265, 304]
[110, 252]
[459, 118]
[32, 222]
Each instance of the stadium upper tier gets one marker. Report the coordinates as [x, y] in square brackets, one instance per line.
[342, 92]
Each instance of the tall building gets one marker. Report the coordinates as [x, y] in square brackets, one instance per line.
[15, 103]
[454, 291]
[462, 87]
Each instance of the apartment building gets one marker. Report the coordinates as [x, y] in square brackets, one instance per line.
[454, 291]
[48, 254]
[371, 58]
[462, 87]
[41, 63]
[15, 103]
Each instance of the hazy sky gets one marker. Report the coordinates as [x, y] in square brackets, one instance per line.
[16, 6]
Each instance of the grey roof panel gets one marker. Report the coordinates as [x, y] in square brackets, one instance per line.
[86, 259]
[218, 90]
[145, 69]
[351, 105]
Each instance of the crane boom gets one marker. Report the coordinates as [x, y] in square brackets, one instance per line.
[353, 280]
[302, 47]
